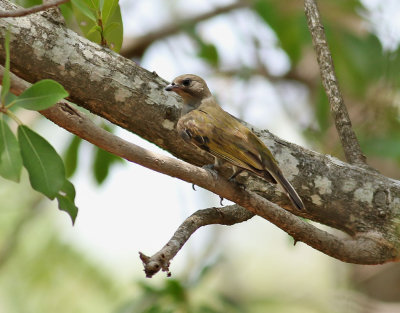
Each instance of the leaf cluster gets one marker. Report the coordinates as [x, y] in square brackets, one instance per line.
[28, 149]
[100, 21]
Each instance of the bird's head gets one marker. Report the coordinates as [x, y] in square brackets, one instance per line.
[192, 89]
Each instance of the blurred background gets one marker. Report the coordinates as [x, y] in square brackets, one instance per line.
[258, 60]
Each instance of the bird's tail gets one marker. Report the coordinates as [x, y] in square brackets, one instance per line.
[290, 191]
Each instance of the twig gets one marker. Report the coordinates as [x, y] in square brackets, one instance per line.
[34, 9]
[366, 248]
[134, 47]
[347, 136]
[228, 215]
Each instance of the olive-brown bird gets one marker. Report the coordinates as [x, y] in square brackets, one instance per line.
[204, 124]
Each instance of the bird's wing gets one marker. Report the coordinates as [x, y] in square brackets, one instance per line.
[217, 132]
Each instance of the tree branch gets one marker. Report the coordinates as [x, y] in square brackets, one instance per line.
[368, 248]
[135, 47]
[362, 203]
[31, 10]
[341, 117]
[228, 215]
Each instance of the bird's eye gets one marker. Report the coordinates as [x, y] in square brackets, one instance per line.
[186, 82]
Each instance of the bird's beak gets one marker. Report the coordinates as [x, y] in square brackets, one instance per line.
[171, 87]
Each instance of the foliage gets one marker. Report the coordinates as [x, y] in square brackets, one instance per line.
[71, 155]
[174, 296]
[11, 160]
[103, 161]
[367, 74]
[100, 21]
[44, 165]
[369, 80]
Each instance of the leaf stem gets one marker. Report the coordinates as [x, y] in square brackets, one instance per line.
[13, 116]
[10, 104]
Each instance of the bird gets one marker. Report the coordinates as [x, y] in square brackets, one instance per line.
[206, 125]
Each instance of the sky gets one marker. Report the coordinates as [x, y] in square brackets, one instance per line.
[384, 19]
[138, 209]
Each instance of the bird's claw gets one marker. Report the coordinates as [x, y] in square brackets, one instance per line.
[209, 168]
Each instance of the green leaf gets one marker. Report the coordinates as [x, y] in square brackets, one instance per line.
[111, 27]
[114, 35]
[45, 167]
[209, 53]
[69, 190]
[10, 156]
[93, 4]
[289, 25]
[41, 95]
[110, 18]
[67, 13]
[95, 28]
[206, 51]
[103, 161]
[108, 9]
[83, 8]
[66, 200]
[10, 97]
[71, 156]
[5, 86]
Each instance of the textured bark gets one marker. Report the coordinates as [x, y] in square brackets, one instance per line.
[360, 202]
[348, 138]
[368, 249]
[228, 215]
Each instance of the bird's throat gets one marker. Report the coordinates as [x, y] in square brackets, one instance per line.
[189, 106]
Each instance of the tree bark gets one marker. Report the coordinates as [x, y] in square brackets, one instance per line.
[348, 138]
[360, 202]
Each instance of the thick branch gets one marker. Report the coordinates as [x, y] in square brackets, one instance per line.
[228, 215]
[347, 136]
[134, 47]
[31, 10]
[368, 248]
[343, 196]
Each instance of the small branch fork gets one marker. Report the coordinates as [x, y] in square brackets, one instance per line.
[31, 10]
[228, 215]
[358, 250]
[361, 250]
[347, 136]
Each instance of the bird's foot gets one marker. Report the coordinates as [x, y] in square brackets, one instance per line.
[211, 168]
[240, 185]
[233, 180]
[235, 173]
